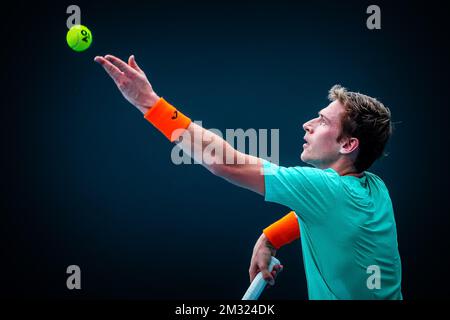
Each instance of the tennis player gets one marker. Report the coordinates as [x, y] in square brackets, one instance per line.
[343, 212]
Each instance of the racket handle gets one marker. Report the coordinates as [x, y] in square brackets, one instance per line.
[258, 284]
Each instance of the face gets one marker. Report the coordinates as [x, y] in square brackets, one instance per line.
[321, 148]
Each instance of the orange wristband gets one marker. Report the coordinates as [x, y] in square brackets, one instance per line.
[283, 231]
[167, 119]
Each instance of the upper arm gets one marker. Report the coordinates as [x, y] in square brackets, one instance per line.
[245, 172]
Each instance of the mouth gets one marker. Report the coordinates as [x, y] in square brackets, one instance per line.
[306, 144]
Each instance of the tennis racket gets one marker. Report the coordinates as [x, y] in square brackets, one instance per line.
[258, 284]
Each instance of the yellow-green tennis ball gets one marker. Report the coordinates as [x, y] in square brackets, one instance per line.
[79, 38]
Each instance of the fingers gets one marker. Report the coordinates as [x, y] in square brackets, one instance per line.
[266, 273]
[268, 277]
[122, 66]
[278, 268]
[132, 62]
[273, 274]
[111, 69]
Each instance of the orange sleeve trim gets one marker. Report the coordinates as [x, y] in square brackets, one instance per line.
[167, 119]
[283, 231]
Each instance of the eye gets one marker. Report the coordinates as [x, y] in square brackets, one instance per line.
[322, 121]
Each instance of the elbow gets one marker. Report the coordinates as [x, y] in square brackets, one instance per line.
[214, 169]
[220, 170]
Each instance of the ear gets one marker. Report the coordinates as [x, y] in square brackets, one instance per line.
[349, 145]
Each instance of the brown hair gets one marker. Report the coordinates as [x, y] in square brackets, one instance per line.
[366, 119]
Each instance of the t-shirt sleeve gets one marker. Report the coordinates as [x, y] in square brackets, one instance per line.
[308, 191]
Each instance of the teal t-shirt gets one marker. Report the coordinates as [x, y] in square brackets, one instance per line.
[347, 230]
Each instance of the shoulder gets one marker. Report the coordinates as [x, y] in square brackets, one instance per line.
[373, 178]
[302, 174]
[328, 174]
[375, 181]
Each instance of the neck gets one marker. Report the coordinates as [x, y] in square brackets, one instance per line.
[346, 169]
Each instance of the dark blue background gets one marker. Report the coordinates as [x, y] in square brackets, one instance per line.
[87, 181]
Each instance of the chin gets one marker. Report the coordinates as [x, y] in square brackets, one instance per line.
[306, 159]
[303, 157]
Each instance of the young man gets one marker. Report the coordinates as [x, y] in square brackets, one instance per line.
[347, 224]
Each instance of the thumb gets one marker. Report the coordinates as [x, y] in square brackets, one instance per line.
[252, 272]
[132, 62]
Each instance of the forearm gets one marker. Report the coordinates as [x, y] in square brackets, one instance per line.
[207, 148]
[212, 151]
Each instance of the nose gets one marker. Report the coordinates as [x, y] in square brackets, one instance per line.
[308, 127]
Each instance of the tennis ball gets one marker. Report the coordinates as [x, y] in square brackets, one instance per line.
[79, 38]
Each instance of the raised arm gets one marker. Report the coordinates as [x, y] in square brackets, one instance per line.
[236, 167]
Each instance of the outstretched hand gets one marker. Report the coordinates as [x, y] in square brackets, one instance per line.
[131, 81]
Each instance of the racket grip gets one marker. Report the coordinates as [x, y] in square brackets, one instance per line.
[258, 284]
